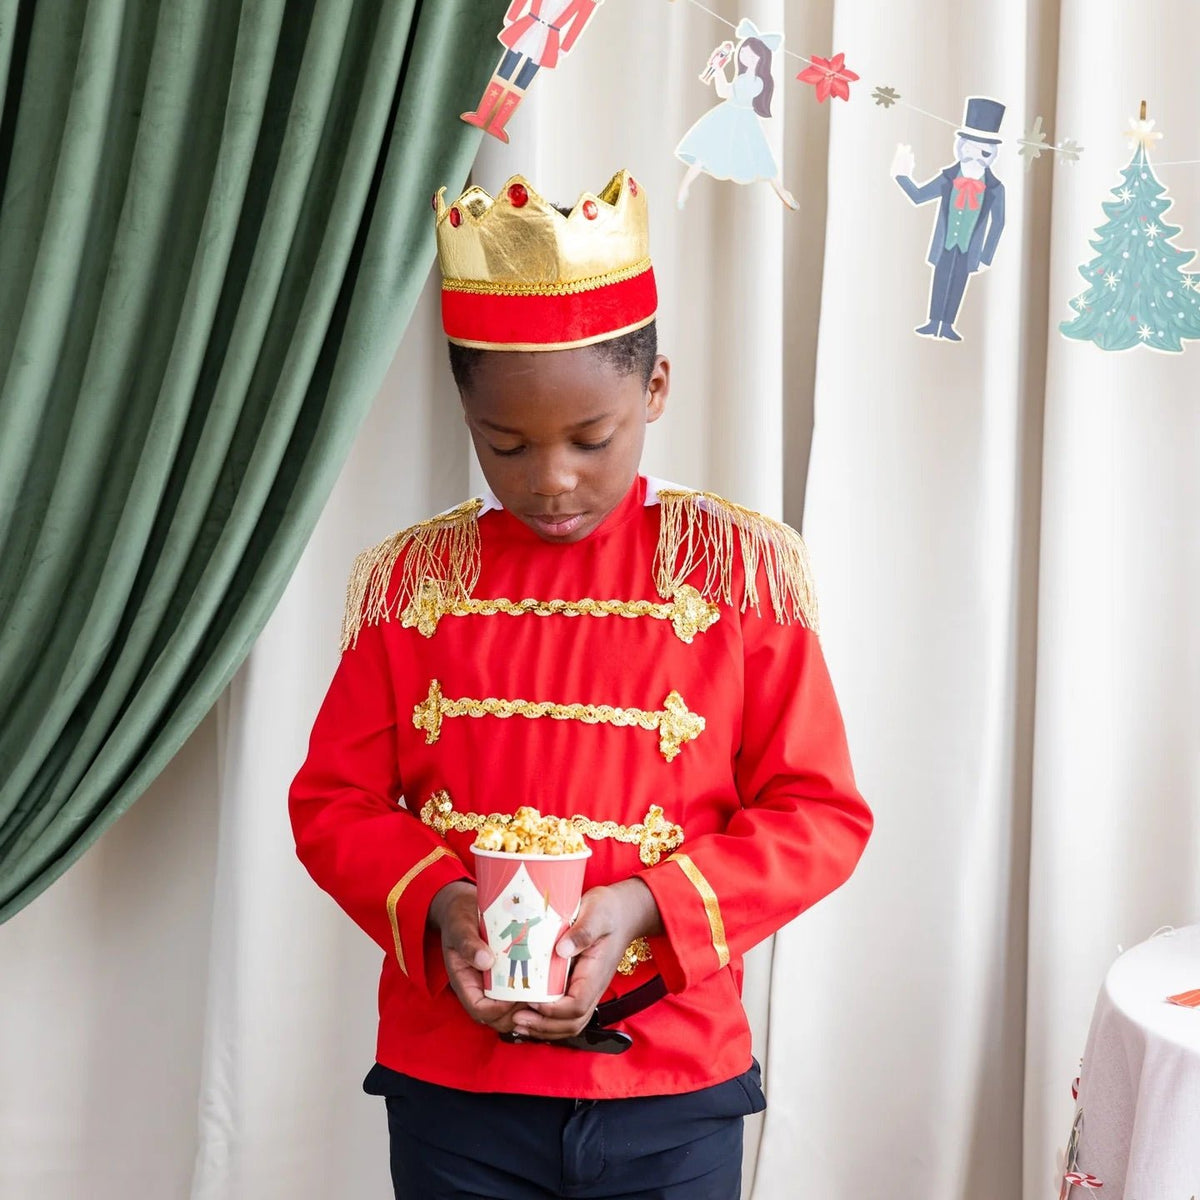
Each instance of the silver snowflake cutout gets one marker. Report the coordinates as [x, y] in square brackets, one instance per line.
[1033, 143]
[885, 97]
[1144, 331]
[1125, 195]
[1189, 283]
[1152, 231]
[1070, 149]
[1112, 279]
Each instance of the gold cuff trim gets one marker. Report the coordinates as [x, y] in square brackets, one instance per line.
[688, 611]
[699, 530]
[572, 287]
[712, 908]
[394, 896]
[444, 549]
[654, 836]
[637, 952]
[675, 722]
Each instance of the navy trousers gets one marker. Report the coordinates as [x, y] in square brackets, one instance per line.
[950, 277]
[453, 1145]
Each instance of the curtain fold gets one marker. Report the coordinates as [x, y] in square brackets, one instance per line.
[213, 230]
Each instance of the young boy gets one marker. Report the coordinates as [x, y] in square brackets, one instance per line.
[598, 645]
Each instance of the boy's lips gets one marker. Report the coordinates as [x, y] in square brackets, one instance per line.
[556, 524]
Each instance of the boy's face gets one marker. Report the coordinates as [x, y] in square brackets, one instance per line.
[559, 434]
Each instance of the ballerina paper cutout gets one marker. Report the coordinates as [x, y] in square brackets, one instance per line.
[536, 34]
[730, 140]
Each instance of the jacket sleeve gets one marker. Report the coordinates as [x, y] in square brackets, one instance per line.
[919, 193]
[373, 856]
[801, 828]
[579, 15]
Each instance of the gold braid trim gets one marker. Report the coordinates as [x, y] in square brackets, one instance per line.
[698, 531]
[654, 835]
[444, 549]
[675, 722]
[688, 611]
[637, 952]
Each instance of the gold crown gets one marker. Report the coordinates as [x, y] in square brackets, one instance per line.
[517, 243]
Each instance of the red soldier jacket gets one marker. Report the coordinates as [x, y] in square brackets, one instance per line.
[660, 682]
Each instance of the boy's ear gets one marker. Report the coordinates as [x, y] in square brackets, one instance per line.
[658, 389]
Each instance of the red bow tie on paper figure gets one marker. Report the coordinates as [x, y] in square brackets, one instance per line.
[535, 34]
[970, 212]
[967, 192]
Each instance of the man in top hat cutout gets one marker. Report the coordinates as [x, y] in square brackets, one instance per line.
[970, 216]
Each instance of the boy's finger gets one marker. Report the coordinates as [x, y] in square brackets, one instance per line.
[472, 948]
[545, 1027]
[588, 928]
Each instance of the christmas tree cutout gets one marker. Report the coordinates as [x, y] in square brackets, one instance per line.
[1137, 294]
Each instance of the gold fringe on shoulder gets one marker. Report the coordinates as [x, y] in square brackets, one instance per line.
[698, 531]
[444, 549]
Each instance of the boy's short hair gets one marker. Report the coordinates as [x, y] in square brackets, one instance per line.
[629, 354]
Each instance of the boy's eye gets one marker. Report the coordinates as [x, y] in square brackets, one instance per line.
[594, 445]
[507, 453]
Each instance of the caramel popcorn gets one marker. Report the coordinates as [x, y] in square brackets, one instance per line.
[528, 832]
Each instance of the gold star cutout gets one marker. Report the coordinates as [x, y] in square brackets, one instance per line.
[1142, 133]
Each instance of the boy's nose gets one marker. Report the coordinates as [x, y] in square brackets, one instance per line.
[551, 477]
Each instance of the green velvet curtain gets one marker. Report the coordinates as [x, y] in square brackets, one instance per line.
[214, 224]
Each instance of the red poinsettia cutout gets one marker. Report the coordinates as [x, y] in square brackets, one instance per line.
[830, 76]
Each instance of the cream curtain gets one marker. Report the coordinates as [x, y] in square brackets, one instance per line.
[1007, 540]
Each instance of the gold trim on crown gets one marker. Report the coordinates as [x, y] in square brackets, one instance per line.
[532, 249]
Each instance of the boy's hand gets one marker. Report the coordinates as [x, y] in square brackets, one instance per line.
[454, 912]
[609, 919]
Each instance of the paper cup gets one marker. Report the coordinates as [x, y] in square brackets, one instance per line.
[526, 903]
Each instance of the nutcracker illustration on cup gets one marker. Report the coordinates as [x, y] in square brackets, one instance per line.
[536, 34]
[529, 872]
[526, 913]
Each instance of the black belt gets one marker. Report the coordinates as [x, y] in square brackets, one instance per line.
[595, 1035]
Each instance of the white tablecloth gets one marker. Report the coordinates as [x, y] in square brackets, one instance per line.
[1140, 1085]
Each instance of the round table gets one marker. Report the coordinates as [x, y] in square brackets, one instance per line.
[1139, 1091]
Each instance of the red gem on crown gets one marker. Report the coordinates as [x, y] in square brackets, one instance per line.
[590, 210]
[455, 218]
[633, 189]
[518, 197]
[433, 202]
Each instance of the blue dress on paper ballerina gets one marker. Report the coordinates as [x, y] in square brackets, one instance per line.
[729, 142]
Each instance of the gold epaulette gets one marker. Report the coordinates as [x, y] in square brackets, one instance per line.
[444, 549]
[698, 531]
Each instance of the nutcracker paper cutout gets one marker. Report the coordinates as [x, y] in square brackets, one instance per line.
[536, 34]
[970, 216]
[730, 141]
